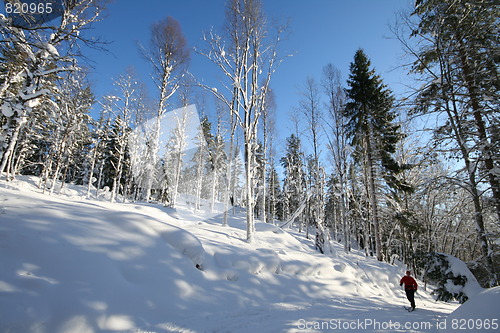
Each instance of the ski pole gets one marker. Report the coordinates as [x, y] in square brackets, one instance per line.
[421, 298]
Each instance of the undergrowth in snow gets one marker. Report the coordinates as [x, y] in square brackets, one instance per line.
[75, 265]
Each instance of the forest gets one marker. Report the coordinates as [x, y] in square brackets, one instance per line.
[409, 177]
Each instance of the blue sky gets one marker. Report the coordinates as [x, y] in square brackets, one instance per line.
[321, 32]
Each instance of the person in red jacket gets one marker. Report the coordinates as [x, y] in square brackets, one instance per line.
[411, 287]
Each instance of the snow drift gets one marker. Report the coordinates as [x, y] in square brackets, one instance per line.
[479, 314]
[75, 265]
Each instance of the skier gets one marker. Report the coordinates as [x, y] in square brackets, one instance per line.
[410, 288]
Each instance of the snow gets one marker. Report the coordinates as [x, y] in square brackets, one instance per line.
[7, 110]
[52, 50]
[48, 49]
[475, 315]
[457, 268]
[75, 265]
[33, 95]
[33, 102]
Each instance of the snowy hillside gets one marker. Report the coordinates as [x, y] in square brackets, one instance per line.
[75, 265]
[479, 314]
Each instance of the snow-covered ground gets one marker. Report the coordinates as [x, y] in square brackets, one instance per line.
[481, 313]
[69, 264]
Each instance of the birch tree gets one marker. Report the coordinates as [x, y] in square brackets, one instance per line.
[270, 181]
[98, 140]
[72, 119]
[178, 143]
[312, 112]
[336, 133]
[169, 57]
[247, 55]
[122, 105]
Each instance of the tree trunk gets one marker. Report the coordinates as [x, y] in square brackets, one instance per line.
[264, 171]
[92, 166]
[249, 188]
[485, 146]
[373, 200]
[229, 171]
[214, 188]
[118, 176]
[8, 154]
[199, 177]
[459, 135]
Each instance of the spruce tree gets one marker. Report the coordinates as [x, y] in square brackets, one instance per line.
[259, 208]
[372, 131]
[274, 192]
[200, 158]
[294, 183]
[118, 155]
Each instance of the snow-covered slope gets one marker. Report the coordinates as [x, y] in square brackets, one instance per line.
[481, 313]
[75, 265]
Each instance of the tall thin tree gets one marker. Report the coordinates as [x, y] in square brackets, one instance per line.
[169, 57]
[372, 130]
[248, 57]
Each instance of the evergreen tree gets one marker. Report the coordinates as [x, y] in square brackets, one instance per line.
[98, 158]
[333, 218]
[217, 162]
[118, 157]
[372, 131]
[34, 57]
[294, 184]
[110, 157]
[259, 212]
[200, 158]
[274, 192]
[69, 121]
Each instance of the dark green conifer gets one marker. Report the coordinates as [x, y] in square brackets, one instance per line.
[373, 132]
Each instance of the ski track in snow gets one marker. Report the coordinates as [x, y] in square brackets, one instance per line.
[75, 265]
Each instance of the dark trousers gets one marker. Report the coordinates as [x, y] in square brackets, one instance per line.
[410, 294]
